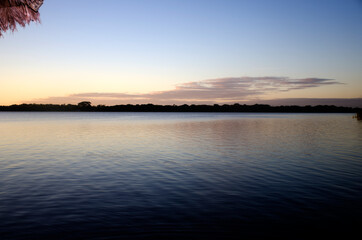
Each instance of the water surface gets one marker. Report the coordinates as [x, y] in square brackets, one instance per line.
[179, 175]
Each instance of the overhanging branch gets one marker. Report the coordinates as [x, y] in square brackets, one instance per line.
[18, 12]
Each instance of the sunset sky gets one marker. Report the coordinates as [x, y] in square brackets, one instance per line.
[190, 51]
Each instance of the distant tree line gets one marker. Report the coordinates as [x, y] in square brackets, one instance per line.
[87, 107]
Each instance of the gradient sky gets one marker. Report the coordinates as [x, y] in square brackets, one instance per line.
[189, 51]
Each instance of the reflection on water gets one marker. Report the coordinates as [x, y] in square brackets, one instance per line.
[173, 175]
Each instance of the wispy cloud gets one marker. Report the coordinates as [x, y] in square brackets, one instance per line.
[207, 91]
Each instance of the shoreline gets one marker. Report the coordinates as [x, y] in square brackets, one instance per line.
[262, 108]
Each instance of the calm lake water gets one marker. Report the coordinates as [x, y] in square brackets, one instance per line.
[179, 175]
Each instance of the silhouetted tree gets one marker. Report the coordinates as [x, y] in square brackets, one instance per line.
[84, 104]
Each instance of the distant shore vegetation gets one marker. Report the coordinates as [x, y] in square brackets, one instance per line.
[86, 106]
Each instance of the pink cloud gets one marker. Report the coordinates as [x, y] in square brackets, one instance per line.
[219, 90]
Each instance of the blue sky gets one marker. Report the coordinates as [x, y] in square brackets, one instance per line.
[100, 50]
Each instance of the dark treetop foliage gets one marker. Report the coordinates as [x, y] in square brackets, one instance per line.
[87, 107]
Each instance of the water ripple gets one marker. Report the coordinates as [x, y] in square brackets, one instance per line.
[194, 176]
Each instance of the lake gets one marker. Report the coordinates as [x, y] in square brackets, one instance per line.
[179, 175]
